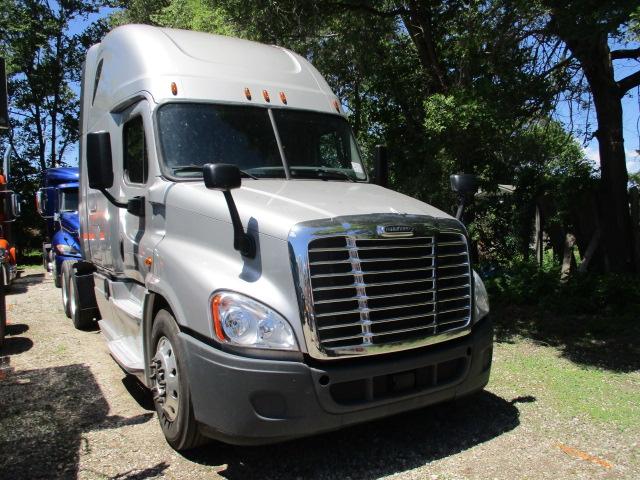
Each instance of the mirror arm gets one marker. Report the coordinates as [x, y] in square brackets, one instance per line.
[461, 199]
[242, 241]
[113, 200]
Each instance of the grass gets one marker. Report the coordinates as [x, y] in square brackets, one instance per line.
[574, 390]
[30, 257]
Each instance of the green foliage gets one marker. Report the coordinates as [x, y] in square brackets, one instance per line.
[610, 295]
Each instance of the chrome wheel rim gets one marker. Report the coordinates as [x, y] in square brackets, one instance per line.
[166, 388]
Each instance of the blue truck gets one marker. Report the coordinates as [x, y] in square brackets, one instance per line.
[57, 203]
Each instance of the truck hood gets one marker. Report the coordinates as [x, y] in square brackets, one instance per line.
[70, 221]
[273, 207]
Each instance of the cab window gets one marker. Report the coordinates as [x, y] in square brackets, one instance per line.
[135, 151]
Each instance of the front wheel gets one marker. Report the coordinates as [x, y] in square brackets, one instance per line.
[57, 274]
[66, 270]
[170, 385]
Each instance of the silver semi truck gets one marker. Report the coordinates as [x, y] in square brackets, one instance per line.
[240, 261]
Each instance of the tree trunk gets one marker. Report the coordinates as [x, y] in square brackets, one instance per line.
[595, 59]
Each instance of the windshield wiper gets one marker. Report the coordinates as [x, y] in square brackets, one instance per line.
[198, 168]
[322, 174]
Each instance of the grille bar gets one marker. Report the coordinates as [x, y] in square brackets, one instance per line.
[358, 300]
[374, 297]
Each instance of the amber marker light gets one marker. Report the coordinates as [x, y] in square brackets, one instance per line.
[283, 98]
[174, 88]
[265, 94]
[215, 311]
[247, 93]
[148, 261]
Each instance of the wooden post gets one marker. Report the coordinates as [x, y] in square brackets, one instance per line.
[539, 246]
[591, 248]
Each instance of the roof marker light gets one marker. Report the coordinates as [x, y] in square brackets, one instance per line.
[265, 94]
[174, 88]
[283, 98]
[247, 93]
[336, 105]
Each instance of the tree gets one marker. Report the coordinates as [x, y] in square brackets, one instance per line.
[586, 27]
[45, 59]
[44, 56]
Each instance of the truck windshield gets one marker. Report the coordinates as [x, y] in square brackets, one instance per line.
[316, 145]
[69, 200]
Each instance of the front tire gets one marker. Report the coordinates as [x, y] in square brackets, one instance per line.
[57, 276]
[170, 385]
[66, 270]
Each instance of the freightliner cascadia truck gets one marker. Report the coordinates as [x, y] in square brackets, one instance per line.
[239, 259]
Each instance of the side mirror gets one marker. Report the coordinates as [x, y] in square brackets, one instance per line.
[381, 166]
[16, 205]
[221, 176]
[40, 199]
[225, 177]
[99, 160]
[11, 208]
[464, 183]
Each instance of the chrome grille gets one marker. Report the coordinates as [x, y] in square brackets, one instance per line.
[377, 291]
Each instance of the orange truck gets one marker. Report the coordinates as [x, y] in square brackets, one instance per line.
[9, 210]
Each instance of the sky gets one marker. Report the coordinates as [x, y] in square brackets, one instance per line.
[630, 107]
[630, 113]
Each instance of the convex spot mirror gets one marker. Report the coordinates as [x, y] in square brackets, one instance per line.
[99, 160]
[464, 184]
[221, 176]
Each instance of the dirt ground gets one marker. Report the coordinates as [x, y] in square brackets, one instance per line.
[68, 411]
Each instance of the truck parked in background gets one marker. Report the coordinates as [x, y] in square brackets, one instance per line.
[240, 260]
[9, 210]
[57, 203]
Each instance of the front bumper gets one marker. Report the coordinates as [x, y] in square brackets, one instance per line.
[248, 401]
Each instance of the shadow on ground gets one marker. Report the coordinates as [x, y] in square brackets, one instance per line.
[15, 345]
[43, 417]
[22, 284]
[595, 340]
[375, 449]
[16, 328]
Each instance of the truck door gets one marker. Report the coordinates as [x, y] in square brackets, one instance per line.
[136, 130]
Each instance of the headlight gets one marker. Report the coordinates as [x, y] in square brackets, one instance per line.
[480, 298]
[242, 321]
[64, 249]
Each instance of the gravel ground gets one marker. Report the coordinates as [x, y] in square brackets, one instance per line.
[68, 411]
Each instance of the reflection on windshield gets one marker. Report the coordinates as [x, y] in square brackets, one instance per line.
[194, 134]
[69, 200]
[316, 145]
